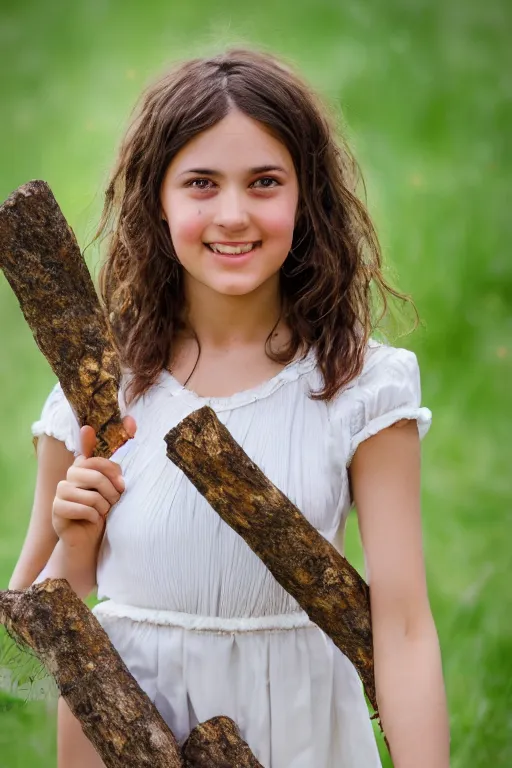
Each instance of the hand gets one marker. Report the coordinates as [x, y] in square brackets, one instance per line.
[83, 500]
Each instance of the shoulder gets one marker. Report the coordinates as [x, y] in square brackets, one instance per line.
[381, 359]
[384, 367]
[58, 420]
[386, 392]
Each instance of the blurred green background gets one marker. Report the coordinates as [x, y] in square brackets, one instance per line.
[425, 89]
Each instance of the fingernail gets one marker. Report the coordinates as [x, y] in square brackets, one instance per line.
[122, 482]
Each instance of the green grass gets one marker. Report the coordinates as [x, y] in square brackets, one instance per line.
[425, 89]
[27, 735]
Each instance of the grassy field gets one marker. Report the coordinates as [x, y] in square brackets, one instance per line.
[425, 89]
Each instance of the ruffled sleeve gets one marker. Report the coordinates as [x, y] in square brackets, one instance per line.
[58, 420]
[387, 391]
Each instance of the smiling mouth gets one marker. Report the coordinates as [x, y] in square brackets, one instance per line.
[234, 250]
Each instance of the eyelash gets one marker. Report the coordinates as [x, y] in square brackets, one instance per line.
[207, 189]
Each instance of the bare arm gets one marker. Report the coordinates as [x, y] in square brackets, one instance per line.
[76, 565]
[44, 555]
[53, 462]
[385, 477]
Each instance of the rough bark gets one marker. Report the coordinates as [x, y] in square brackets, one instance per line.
[322, 581]
[41, 260]
[218, 743]
[115, 714]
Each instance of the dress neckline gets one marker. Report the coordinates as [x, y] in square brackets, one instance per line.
[289, 372]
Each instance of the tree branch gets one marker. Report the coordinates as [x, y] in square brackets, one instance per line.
[322, 581]
[41, 260]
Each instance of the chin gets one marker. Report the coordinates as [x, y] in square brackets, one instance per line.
[235, 290]
[241, 286]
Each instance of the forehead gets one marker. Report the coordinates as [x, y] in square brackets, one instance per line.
[236, 142]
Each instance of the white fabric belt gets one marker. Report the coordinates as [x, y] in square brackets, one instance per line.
[283, 621]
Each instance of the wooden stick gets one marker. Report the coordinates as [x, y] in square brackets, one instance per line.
[41, 260]
[115, 714]
[217, 742]
[322, 581]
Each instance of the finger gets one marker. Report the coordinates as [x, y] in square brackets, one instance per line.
[65, 511]
[110, 469]
[88, 480]
[87, 498]
[130, 425]
[87, 441]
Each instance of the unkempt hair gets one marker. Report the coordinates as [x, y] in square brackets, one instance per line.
[331, 281]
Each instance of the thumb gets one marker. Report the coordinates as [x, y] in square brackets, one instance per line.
[88, 441]
[130, 425]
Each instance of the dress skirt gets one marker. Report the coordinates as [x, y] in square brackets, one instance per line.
[296, 698]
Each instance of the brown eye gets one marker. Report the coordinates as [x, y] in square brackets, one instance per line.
[265, 179]
[204, 182]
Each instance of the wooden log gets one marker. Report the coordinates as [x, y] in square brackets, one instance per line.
[323, 582]
[217, 742]
[41, 260]
[115, 714]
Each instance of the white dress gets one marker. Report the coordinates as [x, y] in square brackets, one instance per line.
[200, 622]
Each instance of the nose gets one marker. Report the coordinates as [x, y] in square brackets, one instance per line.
[231, 213]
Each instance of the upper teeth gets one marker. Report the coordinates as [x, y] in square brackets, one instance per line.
[231, 249]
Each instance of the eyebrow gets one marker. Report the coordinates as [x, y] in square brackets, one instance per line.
[258, 169]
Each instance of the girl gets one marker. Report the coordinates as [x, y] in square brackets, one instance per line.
[238, 274]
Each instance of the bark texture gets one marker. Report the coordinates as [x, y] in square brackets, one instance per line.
[218, 743]
[41, 260]
[115, 714]
[322, 581]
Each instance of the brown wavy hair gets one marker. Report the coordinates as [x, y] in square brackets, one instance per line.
[334, 267]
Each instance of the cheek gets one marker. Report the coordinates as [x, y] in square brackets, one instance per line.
[186, 222]
[279, 220]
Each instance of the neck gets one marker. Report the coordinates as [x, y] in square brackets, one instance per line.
[224, 322]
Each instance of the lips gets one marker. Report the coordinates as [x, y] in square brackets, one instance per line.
[232, 250]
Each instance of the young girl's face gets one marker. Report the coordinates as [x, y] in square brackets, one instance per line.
[232, 187]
